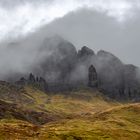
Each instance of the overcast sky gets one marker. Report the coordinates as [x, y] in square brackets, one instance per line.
[112, 25]
[23, 16]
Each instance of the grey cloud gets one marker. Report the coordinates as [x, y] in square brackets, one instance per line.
[84, 27]
[14, 3]
[20, 17]
[99, 31]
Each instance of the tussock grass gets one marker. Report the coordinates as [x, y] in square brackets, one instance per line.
[78, 115]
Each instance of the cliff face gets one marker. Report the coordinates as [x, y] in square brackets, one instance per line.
[59, 63]
[117, 79]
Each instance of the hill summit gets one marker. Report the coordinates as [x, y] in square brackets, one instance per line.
[63, 68]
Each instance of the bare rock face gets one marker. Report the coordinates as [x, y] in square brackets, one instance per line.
[42, 84]
[58, 61]
[31, 78]
[131, 82]
[92, 75]
[118, 80]
[85, 51]
[110, 74]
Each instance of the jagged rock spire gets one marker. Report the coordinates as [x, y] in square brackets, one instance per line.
[37, 82]
[31, 78]
[92, 75]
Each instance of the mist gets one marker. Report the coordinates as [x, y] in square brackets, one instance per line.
[95, 25]
[21, 17]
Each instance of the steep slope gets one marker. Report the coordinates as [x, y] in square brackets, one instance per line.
[10, 93]
[32, 105]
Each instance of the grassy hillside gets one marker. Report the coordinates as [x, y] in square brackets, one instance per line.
[119, 123]
[79, 115]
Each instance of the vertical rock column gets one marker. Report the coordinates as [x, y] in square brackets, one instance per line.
[92, 77]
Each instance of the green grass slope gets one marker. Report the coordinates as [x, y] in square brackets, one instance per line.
[118, 123]
[79, 115]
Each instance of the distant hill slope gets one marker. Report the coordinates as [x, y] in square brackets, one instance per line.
[31, 104]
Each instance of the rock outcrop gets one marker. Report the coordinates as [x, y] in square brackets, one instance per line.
[65, 68]
[37, 82]
[85, 51]
[92, 76]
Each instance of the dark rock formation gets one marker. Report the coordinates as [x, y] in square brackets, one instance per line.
[118, 80]
[42, 84]
[31, 78]
[59, 63]
[37, 82]
[21, 82]
[85, 51]
[92, 75]
[131, 82]
[67, 69]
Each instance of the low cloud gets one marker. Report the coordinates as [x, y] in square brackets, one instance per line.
[85, 26]
[20, 17]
